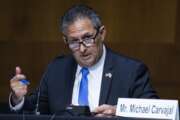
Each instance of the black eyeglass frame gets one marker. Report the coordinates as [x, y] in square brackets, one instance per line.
[91, 41]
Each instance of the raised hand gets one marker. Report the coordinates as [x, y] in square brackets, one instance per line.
[19, 88]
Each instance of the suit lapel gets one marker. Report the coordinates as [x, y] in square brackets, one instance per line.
[106, 78]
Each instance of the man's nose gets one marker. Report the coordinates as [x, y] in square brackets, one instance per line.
[82, 48]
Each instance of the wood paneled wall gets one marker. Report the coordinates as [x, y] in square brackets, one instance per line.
[144, 29]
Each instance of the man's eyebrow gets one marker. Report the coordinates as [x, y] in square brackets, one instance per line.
[87, 35]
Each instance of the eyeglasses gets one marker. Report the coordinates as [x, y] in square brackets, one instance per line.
[87, 42]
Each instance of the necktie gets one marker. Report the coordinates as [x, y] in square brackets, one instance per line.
[83, 89]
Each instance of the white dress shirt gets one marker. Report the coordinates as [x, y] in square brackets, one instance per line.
[94, 82]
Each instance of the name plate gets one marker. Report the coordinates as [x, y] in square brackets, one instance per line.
[148, 108]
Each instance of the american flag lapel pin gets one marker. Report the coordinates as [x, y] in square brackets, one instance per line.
[109, 75]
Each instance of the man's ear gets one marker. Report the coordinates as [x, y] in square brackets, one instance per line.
[102, 32]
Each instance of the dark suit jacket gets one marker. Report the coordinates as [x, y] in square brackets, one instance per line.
[130, 79]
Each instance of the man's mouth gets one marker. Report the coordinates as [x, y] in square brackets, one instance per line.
[86, 57]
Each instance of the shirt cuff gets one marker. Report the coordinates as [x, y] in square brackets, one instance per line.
[16, 107]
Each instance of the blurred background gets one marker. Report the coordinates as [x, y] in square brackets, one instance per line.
[148, 30]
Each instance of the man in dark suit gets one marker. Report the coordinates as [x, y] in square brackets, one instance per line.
[93, 75]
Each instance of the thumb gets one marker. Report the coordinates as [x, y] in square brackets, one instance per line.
[18, 70]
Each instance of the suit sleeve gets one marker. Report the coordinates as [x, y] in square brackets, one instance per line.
[141, 87]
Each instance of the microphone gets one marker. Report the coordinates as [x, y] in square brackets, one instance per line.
[37, 112]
